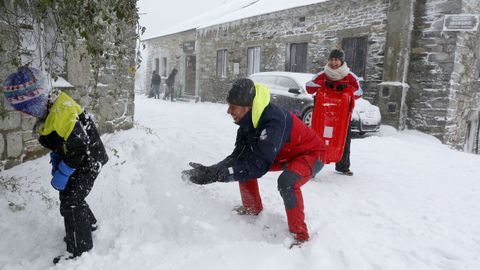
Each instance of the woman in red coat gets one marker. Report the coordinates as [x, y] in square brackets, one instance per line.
[336, 77]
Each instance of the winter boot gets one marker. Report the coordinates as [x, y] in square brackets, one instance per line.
[63, 257]
[347, 172]
[296, 243]
[242, 210]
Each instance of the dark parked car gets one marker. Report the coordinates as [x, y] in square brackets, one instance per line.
[288, 91]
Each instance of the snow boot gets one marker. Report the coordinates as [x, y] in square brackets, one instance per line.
[242, 211]
[63, 257]
[347, 172]
[293, 242]
[296, 243]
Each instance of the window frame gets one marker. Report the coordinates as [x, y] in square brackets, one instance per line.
[156, 64]
[164, 66]
[222, 63]
[253, 67]
[292, 57]
[478, 65]
[354, 52]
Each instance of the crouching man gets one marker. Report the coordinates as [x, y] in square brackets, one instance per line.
[268, 139]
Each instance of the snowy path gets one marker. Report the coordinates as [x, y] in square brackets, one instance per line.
[412, 204]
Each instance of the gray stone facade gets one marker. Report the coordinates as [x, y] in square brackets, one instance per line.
[173, 49]
[443, 72]
[420, 76]
[324, 27]
[111, 103]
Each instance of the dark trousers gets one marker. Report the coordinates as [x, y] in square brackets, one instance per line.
[77, 215]
[344, 164]
[156, 91]
[169, 92]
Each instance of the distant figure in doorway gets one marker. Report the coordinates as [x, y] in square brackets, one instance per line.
[155, 85]
[170, 83]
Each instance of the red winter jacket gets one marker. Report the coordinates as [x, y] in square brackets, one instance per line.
[279, 139]
[321, 82]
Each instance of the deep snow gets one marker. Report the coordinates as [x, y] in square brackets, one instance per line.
[412, 204]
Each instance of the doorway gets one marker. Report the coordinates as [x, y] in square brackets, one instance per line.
[190, 73]
[297, 56]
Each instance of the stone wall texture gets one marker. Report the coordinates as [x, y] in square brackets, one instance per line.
[325, 25]
[443, 72]
[111, 103]
[171, 48]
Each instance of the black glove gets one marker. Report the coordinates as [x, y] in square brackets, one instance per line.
[200, 174]
[340, 87]
[329, 84]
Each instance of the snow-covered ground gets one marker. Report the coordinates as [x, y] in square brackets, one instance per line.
[412, 204]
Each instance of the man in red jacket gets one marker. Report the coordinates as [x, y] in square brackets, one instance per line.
[337, 77]
[268, 139]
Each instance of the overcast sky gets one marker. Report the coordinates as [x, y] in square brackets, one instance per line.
[167, 13]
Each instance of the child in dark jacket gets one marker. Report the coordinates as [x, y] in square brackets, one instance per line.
[77, 152]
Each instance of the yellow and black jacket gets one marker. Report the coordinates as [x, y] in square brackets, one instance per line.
[68, 131]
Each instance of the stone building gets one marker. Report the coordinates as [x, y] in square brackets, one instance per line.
[111, 101]
[418, 65]
[176, 51]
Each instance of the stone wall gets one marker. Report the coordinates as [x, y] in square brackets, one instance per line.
[324, 27]
[171, 47]
[431, 66]
[464, 96]
[442, 72]
[393, 90]
[111, 103]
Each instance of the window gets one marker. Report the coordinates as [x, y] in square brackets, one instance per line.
[392, 107]
[270, 80]
[157, 65]
[478, 65]
[472, 144]
[385, 91]
[253, 60]
[164, 66]
[356, 54]
[286, 83]
[299, 21]
[222, 63]
[297, 57]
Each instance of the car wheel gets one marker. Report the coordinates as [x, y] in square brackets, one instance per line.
[307, 117]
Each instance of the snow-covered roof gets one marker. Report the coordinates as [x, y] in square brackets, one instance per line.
[233, 11]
